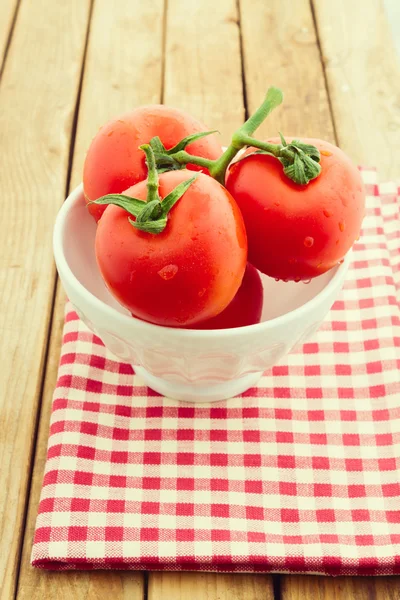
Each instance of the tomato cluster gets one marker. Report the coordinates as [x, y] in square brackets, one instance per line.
[183, 226]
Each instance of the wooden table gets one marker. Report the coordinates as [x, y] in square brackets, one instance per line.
[68, 66]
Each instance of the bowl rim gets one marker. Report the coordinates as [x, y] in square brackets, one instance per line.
[108, 311]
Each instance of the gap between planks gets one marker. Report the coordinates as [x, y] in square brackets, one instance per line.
[8, 16]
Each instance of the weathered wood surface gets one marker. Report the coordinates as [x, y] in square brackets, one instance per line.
[36, 116]
[362, 71]
[340, 76]
[116, 63]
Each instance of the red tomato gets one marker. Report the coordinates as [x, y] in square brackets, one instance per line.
[296, 232]
[245, 308]
[188, 273]
[114, 162]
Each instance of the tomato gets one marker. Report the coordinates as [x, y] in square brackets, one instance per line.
[114, 162]
[296, 232]
[245, 308]
[187, 273]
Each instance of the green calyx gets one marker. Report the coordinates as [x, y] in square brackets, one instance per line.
[151, 215]
[300, 161]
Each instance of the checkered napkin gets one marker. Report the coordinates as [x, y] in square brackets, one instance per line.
[299, 474]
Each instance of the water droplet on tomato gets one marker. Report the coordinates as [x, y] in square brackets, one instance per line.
[297, 279]
[168, 272]
[308, 241]
[277, 279]
[341, 226]
[327, 213]
[202, 292]
[319, 265]
[307, 281]
[276, 203]
[341, 261]
[110, 133]
[326, 153]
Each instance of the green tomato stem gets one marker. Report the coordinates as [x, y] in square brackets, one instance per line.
[219, 167]
[240, 138]
[273, 98]
[183, 158]
[170, 159]
[152, 174]
[274, 149]
[300, 161]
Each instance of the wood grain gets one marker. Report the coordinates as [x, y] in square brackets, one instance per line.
[203, 76]
[124, 49]
[280, 48]
[363, 74]
[68, 585]
[35, 126]
[364, 84]
[7, 12]
[209, 586]
[123, 67]
[202, 62]
[341, 588]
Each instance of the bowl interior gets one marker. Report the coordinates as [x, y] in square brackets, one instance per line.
[78, 247]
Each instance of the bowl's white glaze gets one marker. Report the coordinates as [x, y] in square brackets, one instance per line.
[184, 364]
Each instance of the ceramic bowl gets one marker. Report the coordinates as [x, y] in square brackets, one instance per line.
[187, 365]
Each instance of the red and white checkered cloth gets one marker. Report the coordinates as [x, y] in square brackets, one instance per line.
[300, 474]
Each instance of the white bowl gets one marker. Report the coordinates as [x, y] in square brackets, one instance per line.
[184, 364]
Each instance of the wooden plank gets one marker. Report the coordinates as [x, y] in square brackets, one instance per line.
[290, 60]
[67, 585]
[209, 586]
[203, 76]
[202, 63]
[36, 110]
[338, 588]
[7, 13]
[123, 68]
[280, 48]
[363, 73]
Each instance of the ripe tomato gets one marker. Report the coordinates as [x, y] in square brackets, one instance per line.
[245, 308]
[188, 273]
[296, 232]
[114, 162]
